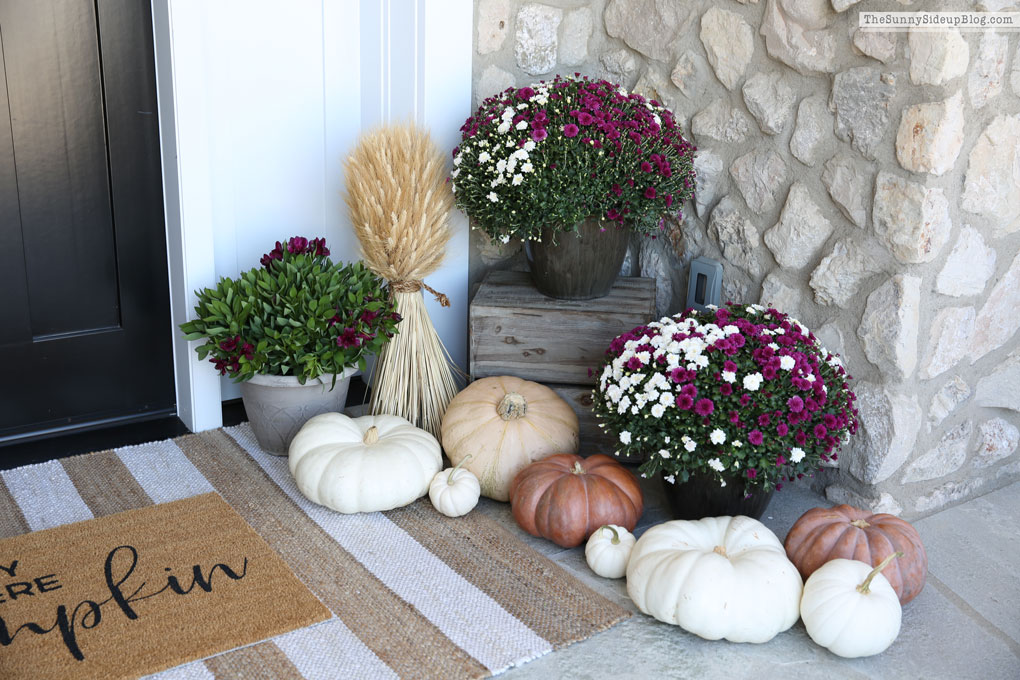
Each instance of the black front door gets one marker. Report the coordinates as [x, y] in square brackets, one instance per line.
[85, 331]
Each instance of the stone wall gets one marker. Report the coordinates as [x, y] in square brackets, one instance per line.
[868, 183]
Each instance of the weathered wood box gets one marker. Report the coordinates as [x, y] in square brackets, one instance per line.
[515, 330]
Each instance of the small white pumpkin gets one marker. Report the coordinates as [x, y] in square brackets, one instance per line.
[455, 491]
[363, 464]
[717, 577]
[851, 609]
[608, 550]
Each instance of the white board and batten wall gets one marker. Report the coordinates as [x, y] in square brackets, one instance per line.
[260, 102]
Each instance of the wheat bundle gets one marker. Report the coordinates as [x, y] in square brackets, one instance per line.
[399, 204]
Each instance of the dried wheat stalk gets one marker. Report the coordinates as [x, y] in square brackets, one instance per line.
[399, 204]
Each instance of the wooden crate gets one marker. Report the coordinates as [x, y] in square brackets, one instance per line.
[593, 439]
[515, 330]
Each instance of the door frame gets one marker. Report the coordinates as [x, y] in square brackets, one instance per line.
[439, 64]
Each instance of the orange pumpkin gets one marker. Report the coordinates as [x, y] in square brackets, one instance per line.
[566, 498]
[824, 534]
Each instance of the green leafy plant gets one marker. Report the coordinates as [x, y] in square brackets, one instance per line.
[299, 314]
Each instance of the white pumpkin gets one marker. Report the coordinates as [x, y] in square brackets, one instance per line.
[454, 491]
[851, 609]
[363, 464]
[718, 577]
[608, 551]
[505, 423]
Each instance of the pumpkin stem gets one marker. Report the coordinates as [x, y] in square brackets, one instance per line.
[512, 406]
[578, 470]
[860, 524]
[371, 435]
[719, 550]
[865, 587]
[616, 536]
[449, 478]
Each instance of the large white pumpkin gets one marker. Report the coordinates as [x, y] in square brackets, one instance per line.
[718, 577]
[363, 464]
[505, 423]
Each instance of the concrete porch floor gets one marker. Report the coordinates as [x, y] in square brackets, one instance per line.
[964, 624]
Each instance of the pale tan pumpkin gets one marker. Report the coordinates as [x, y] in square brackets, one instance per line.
[505, 423]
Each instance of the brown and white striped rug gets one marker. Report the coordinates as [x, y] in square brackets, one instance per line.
[413, 593]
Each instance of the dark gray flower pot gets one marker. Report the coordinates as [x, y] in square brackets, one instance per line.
[278, 405]
[580, 266]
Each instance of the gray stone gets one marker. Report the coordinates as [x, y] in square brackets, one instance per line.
[969, 266]
[947, 400]
[619, 65]
[831, 338]
[492, 81]
[848, 180]
[996, 5]
[577, 30]
[985, 79]
[999, 318]
[1014, 76]
[760, 175]
[814, 128]
[992, 186]
[536, 42]
[843, 5]
[931, 136]
[860, 98]
[655, 265]
[736, 235]
[690, 73]
[999, 389]
[770, 99]
[721, 122]
[936, 57]
[911, 220]
[652, 85]
[493, 21]
[648, 26]
[889, 425]
[801, 231]
[840, 274]
[946, 458]
[876, 44]
[888, 330]
[729, 44]
[794, 32]
[709, 180]
[948, 340]
[946, 494]
[837, 494]
[997, 439]
[783, 295]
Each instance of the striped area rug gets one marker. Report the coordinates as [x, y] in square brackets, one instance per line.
[414, 594]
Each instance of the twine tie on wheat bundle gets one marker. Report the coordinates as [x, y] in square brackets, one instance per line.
[415, 286]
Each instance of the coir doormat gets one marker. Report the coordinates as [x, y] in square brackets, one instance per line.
[142, 590]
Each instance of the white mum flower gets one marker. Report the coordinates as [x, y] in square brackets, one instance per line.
[737, 443]
[722, 482]
[522, 125]
[730, 329]
[505, 238]
[717, 436]
[796, 454]
[810, 377]
[484, 157]
[787, 363]
[529, 145]
[666, 439]
[493, 197]
[614, 393]
[517, 180]
[666, 399]
[521, 154]
[753, 382]
[625, 437]
[729, 376]
[658, 410]
[527, 167]
[508, 113]
[457, 159]
[690, 445]
[670, 478]
[716, 464]
[501, 165]
[503, 127]
[664, 453]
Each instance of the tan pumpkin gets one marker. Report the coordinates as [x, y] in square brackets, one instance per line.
[566, 498]
[825, 534]
[504, 423]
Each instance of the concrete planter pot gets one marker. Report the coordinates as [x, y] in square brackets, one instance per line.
[581, 266]
[278, 405]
